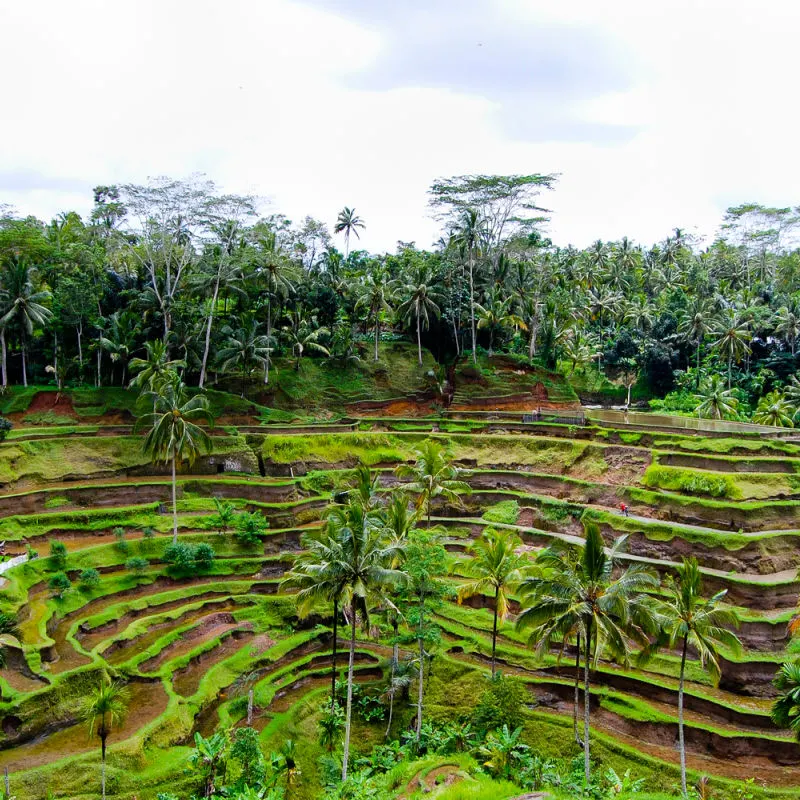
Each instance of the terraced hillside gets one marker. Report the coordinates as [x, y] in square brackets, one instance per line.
[191, 642]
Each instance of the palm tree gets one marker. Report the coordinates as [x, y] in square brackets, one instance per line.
[173, 435]
[208, 757]
[317, 575]
[695, 326]
[786, 709]
[361, 557]
[24, 305]
[227, 276]
[687, 620]
[495, 566]
[420, 305]
[774, 409]
[348, 222]
[568, 593]
[497, 315]
[788, 325]
[155, 369]
[244, 349]
[376, 293]
[732, 340]
[715, 401]
[302, 336]
[467, 236]
[104, 710]
[277, 274]
[119, 340]
[433, 475]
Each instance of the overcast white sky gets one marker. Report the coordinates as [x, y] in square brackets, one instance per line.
[656, 114]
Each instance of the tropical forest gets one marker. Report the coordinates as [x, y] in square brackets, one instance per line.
[494, 518]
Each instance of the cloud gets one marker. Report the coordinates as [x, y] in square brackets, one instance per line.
[23, 180]
[539, 73]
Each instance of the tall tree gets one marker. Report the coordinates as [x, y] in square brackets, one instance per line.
[376, 293]
[363, 560]
[23, 305]
[687, 620]
[467, 237]
[495, 567]
[348, 222]
[420, 305]
[104, 709]
[173, 435]
[610, 609]
[432, 475]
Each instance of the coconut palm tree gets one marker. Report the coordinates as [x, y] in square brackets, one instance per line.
[467, 237]
[119, 340]
[567, 592]
[494, 567]
[497, 316]
[244, 349]
[786, 709]
[421, 304]
[788, 326]
[376, 293]
[432, 475]
[103, 710]
[695, 326]
[302, 336]
[686, 620]
[732, 342]
[317, 576]
[363, 559]
[155, 369]
[714, 400]
[21, 304]
[172, 435]
[774, 409]
[348, 222]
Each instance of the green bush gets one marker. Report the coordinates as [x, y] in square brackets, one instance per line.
[137, 564]
[59, 585]
[250, 527]
[88, 579]
[502, 703]
[185, 558]
[58, 555]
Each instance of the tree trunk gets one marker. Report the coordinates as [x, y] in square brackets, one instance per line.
[576, 702]
[80, 345]
[421, 675]
[395, 657]
[99, 365]
[377, 333]
[333, 660]
[349, 709]
[472, 312]
[681, 743]
[4, 356]
[730, 359]
[419, 342]
[494, 630]
[697, 377]
[174, 504]
[24, 365]
[250, 707]
[269, 336]
[103, 768]
[586, 709]
[207, 347]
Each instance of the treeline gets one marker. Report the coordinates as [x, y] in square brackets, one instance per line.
[227, 291]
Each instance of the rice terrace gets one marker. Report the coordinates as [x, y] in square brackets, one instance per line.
[495, 520]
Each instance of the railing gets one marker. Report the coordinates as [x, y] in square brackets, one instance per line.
[556, 418]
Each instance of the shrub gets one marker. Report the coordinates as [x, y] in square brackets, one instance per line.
[59, 585]
[137, 564]
[185, 558]
[31, 553]
[58, 554]
[250, 527]
[5, 427]
[121, 544]
[88, 579]
[501, 704]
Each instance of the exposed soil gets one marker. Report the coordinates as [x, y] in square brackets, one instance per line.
[186, 681]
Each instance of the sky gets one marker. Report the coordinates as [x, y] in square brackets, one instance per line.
[655, 114]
